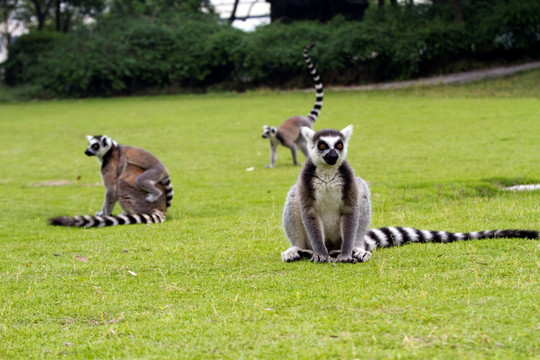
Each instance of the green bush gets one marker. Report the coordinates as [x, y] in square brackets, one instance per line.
[272, 55]
[122, 56]
[27, 54]
[518, 27]
[139, 53]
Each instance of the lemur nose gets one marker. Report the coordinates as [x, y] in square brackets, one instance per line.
[331, 157]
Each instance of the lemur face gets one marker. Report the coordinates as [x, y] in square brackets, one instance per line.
[327, 147]
[99, 145]
[268, 131]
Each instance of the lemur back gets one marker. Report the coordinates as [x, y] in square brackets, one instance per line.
[288, 133]
[133, 177]
[328, 210]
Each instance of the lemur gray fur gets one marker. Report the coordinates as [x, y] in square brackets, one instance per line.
[133, 177]
[328, 211]
[288, 133]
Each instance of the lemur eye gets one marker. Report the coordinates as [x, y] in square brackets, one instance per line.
[95, 146]
[322, 146]
[339, 146]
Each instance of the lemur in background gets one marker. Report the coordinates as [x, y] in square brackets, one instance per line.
[328, 211]
[288, 133]
[133, 177]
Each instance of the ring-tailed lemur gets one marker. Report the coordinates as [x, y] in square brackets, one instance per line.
[288, 133]
[133, 177]
[328, 211]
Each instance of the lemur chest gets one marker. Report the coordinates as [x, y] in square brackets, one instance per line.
[329, 205]
[109, 173]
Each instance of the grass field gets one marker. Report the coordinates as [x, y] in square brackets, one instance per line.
[209, 282]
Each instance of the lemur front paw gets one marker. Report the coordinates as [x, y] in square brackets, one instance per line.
[99, 213]
[152, 197]
[345, 259]
[317, 257]
[268, 166]
[361, 254]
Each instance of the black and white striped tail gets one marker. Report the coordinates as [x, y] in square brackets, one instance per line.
[168, 190]
[396, 236]
[316, 111]
[101, 221]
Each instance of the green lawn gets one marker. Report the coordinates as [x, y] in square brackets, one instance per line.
[210, 283]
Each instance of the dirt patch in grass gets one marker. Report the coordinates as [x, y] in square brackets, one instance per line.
[54, 183]
[60, 183]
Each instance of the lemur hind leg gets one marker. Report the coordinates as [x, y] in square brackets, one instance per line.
[360, 249]
[131, 196]
[295, 231]
[358, 253]
[148, 180]
[295, 253]
[293, 153]
[361, 254]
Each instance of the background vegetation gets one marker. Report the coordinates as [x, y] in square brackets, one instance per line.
[209, 282]
[142, 47]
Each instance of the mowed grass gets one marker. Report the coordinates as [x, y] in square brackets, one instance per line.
[209, 282]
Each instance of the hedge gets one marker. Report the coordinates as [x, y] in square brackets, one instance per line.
[179, 53]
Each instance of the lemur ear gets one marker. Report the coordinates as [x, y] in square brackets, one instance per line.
[308, 133]
[104, 139]
[347, 132]
[88, 137]
[273, 130]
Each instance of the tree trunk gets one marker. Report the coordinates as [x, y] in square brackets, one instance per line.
[66, 20]
[233, 13]
[380, 4]
[458, 13]
[41, 12]
[58, 15]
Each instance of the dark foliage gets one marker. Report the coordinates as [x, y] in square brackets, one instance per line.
[27, 55]
[138, 53]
